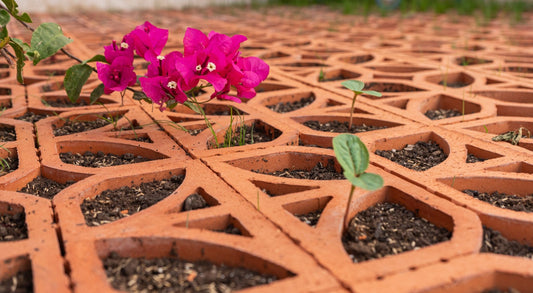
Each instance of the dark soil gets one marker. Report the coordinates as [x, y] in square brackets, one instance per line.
[292, 106]
[31, 117]
[319, 172]
[100, 159]
[390, 87]
[112, 205]
[231, 229]
[419, 157]
[77, 126]
[252, 134]
[44, 187]
[21, 282]
[171, 274]
[142, 139]
[388, 229]
[442, 114]
[497, 290]
[63, 103]
[311, 218]
[194, 202]
[7, 134]
[13, 227]
[473, 159]
[8, 165]
[456, 84]
[504, 201]
[494, 242]
[341, 127]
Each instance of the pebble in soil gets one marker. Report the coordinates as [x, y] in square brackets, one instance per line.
[22, 282]
[318, 172]
[7, 134]
[194, 202]
[419, 156]
[495, 242]
[174, 275]
[442, 114]
[505, 201]
[112, 205]
[44, 187]
[13, 227]
[100, 159]
[341, 127]
[389, 229]
[285, 107]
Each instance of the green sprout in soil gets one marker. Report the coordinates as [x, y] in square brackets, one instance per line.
[513, 136]
[352, 155]
[356, 86]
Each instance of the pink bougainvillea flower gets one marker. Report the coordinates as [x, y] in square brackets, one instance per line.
[247, 73]
[208, 57]
[162, 89]
[163, 82]
[116, 76]
[164, 65]
[148, 40]
[125, 48]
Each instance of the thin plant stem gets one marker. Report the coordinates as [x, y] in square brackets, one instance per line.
[351, 111]
[352, 189]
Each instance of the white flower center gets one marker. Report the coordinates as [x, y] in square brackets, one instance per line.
[211, 66]
[198, 67]
[124, 45]
[160, 58]
[172, 85]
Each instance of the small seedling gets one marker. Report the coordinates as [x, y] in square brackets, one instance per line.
[356, 86]
[486, 129]
[352, 155]
[513, 136]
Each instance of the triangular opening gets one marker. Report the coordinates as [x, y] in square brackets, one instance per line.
[277, 189]
[222, 224]
[517, 167]
[476, 154]
[308, 211]
[199, 199]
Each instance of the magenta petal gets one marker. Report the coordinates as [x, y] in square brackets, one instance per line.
[194, 41]
[216, 80]
[152, 88]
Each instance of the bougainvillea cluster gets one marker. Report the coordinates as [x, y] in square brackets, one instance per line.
[207, 60]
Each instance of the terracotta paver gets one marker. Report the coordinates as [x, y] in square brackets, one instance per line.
[418, 63]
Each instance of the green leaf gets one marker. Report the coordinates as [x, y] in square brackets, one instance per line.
[97, 93]
[139, 95]
[372, 93]
[4, 37]
[75, 77]
[19, 52]
[193, 106]
[46, 40]
[96, 58]
[4, 17]
[354, 85]
[25, 47]
[351, 153]
[12, 6]
[368, 181]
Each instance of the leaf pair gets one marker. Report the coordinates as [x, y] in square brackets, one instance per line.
[353, 156]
